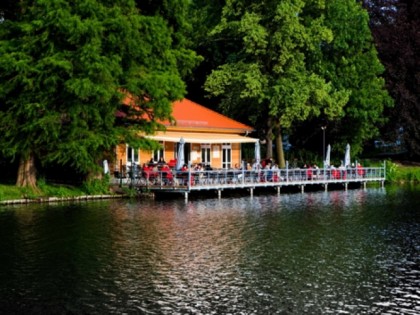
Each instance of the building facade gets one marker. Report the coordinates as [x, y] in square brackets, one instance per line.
[211, 139]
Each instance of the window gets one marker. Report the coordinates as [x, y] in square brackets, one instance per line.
[157, 154]
[226, 155]
[132, 155]
[205, 154]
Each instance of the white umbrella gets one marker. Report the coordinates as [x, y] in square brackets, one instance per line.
[180, 159]
[257, 152]
[327, 161]
[106, 167]
[347, 156]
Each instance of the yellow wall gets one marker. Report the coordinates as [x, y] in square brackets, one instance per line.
[169, 153]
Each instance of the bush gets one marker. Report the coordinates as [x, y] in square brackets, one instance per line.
[391, 171]
[399, 173]
[96, 186]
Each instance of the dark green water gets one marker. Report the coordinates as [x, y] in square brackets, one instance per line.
[341, 252]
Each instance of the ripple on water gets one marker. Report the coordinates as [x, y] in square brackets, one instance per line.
[348, 252]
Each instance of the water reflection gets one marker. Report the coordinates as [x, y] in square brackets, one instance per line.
[354, 252]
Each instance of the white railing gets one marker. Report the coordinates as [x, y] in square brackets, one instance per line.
[194, 180]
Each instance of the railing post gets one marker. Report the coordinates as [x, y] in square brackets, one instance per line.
[131, 174]
[120, 173]
[189, 176]
[384, 170]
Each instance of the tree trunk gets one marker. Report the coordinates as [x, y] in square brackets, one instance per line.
[269, 139]
[27, 172]
[279, 147]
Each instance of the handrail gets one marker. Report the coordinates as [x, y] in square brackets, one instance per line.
[243, 178]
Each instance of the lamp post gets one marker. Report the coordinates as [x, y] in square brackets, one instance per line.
[323, 143]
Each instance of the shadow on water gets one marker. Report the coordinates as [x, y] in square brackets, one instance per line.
[350, 252]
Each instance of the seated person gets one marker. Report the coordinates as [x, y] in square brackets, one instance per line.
[161, 161]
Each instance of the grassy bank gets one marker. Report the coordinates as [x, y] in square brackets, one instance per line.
[400, 173]
[45, 190]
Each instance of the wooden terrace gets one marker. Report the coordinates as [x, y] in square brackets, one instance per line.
[184, 182]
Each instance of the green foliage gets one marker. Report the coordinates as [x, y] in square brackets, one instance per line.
[402, 174]
[96, 186]
[66, 68]
[391, 171]
[11, 192]
[299, 158]
[8, 192]
[267, 74]
[350, 61]
[130, 192]
[268, 64]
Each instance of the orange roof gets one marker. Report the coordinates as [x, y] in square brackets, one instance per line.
[190, 115]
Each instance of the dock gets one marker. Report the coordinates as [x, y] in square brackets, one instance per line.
[185, 182]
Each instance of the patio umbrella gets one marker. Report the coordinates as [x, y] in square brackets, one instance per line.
[328, 157]
[106, 167]
[257, 152]
[347, 156]
[180, 159]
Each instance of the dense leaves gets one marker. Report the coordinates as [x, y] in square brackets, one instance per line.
[66, 68]
[266, 73]
[295, 66]
[350, 62]
[396, 28]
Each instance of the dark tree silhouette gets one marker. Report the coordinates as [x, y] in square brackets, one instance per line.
[396, 29]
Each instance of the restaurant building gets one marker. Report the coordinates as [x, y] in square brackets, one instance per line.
[211, 139]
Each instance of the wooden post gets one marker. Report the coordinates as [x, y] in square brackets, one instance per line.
[219, 193]
[326, 187]
[251, 192]
[302, 188]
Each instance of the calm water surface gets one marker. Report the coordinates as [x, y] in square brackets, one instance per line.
[341, 252]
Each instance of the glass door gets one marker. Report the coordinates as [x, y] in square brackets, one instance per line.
[226, 155]
[205, 154]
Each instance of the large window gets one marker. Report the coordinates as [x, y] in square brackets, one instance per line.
[205, 154]
[226, 155]
[157, 154]
[132, 155]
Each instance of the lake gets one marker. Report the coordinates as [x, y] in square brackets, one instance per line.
[336, 252]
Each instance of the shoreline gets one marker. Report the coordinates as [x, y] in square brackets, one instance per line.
[60, 199]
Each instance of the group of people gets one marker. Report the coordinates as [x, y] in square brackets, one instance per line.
[267, 170]
[157, 171]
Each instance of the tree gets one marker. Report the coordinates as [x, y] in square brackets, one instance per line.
[350, 61]
[65, 70]
[265, 73]
[396, 29]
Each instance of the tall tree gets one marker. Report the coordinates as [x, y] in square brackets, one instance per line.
[396, 29]
[350, 61]
[64, 71]
[266, 73]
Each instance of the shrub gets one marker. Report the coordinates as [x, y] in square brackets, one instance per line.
[96, 186]
[391, 170]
